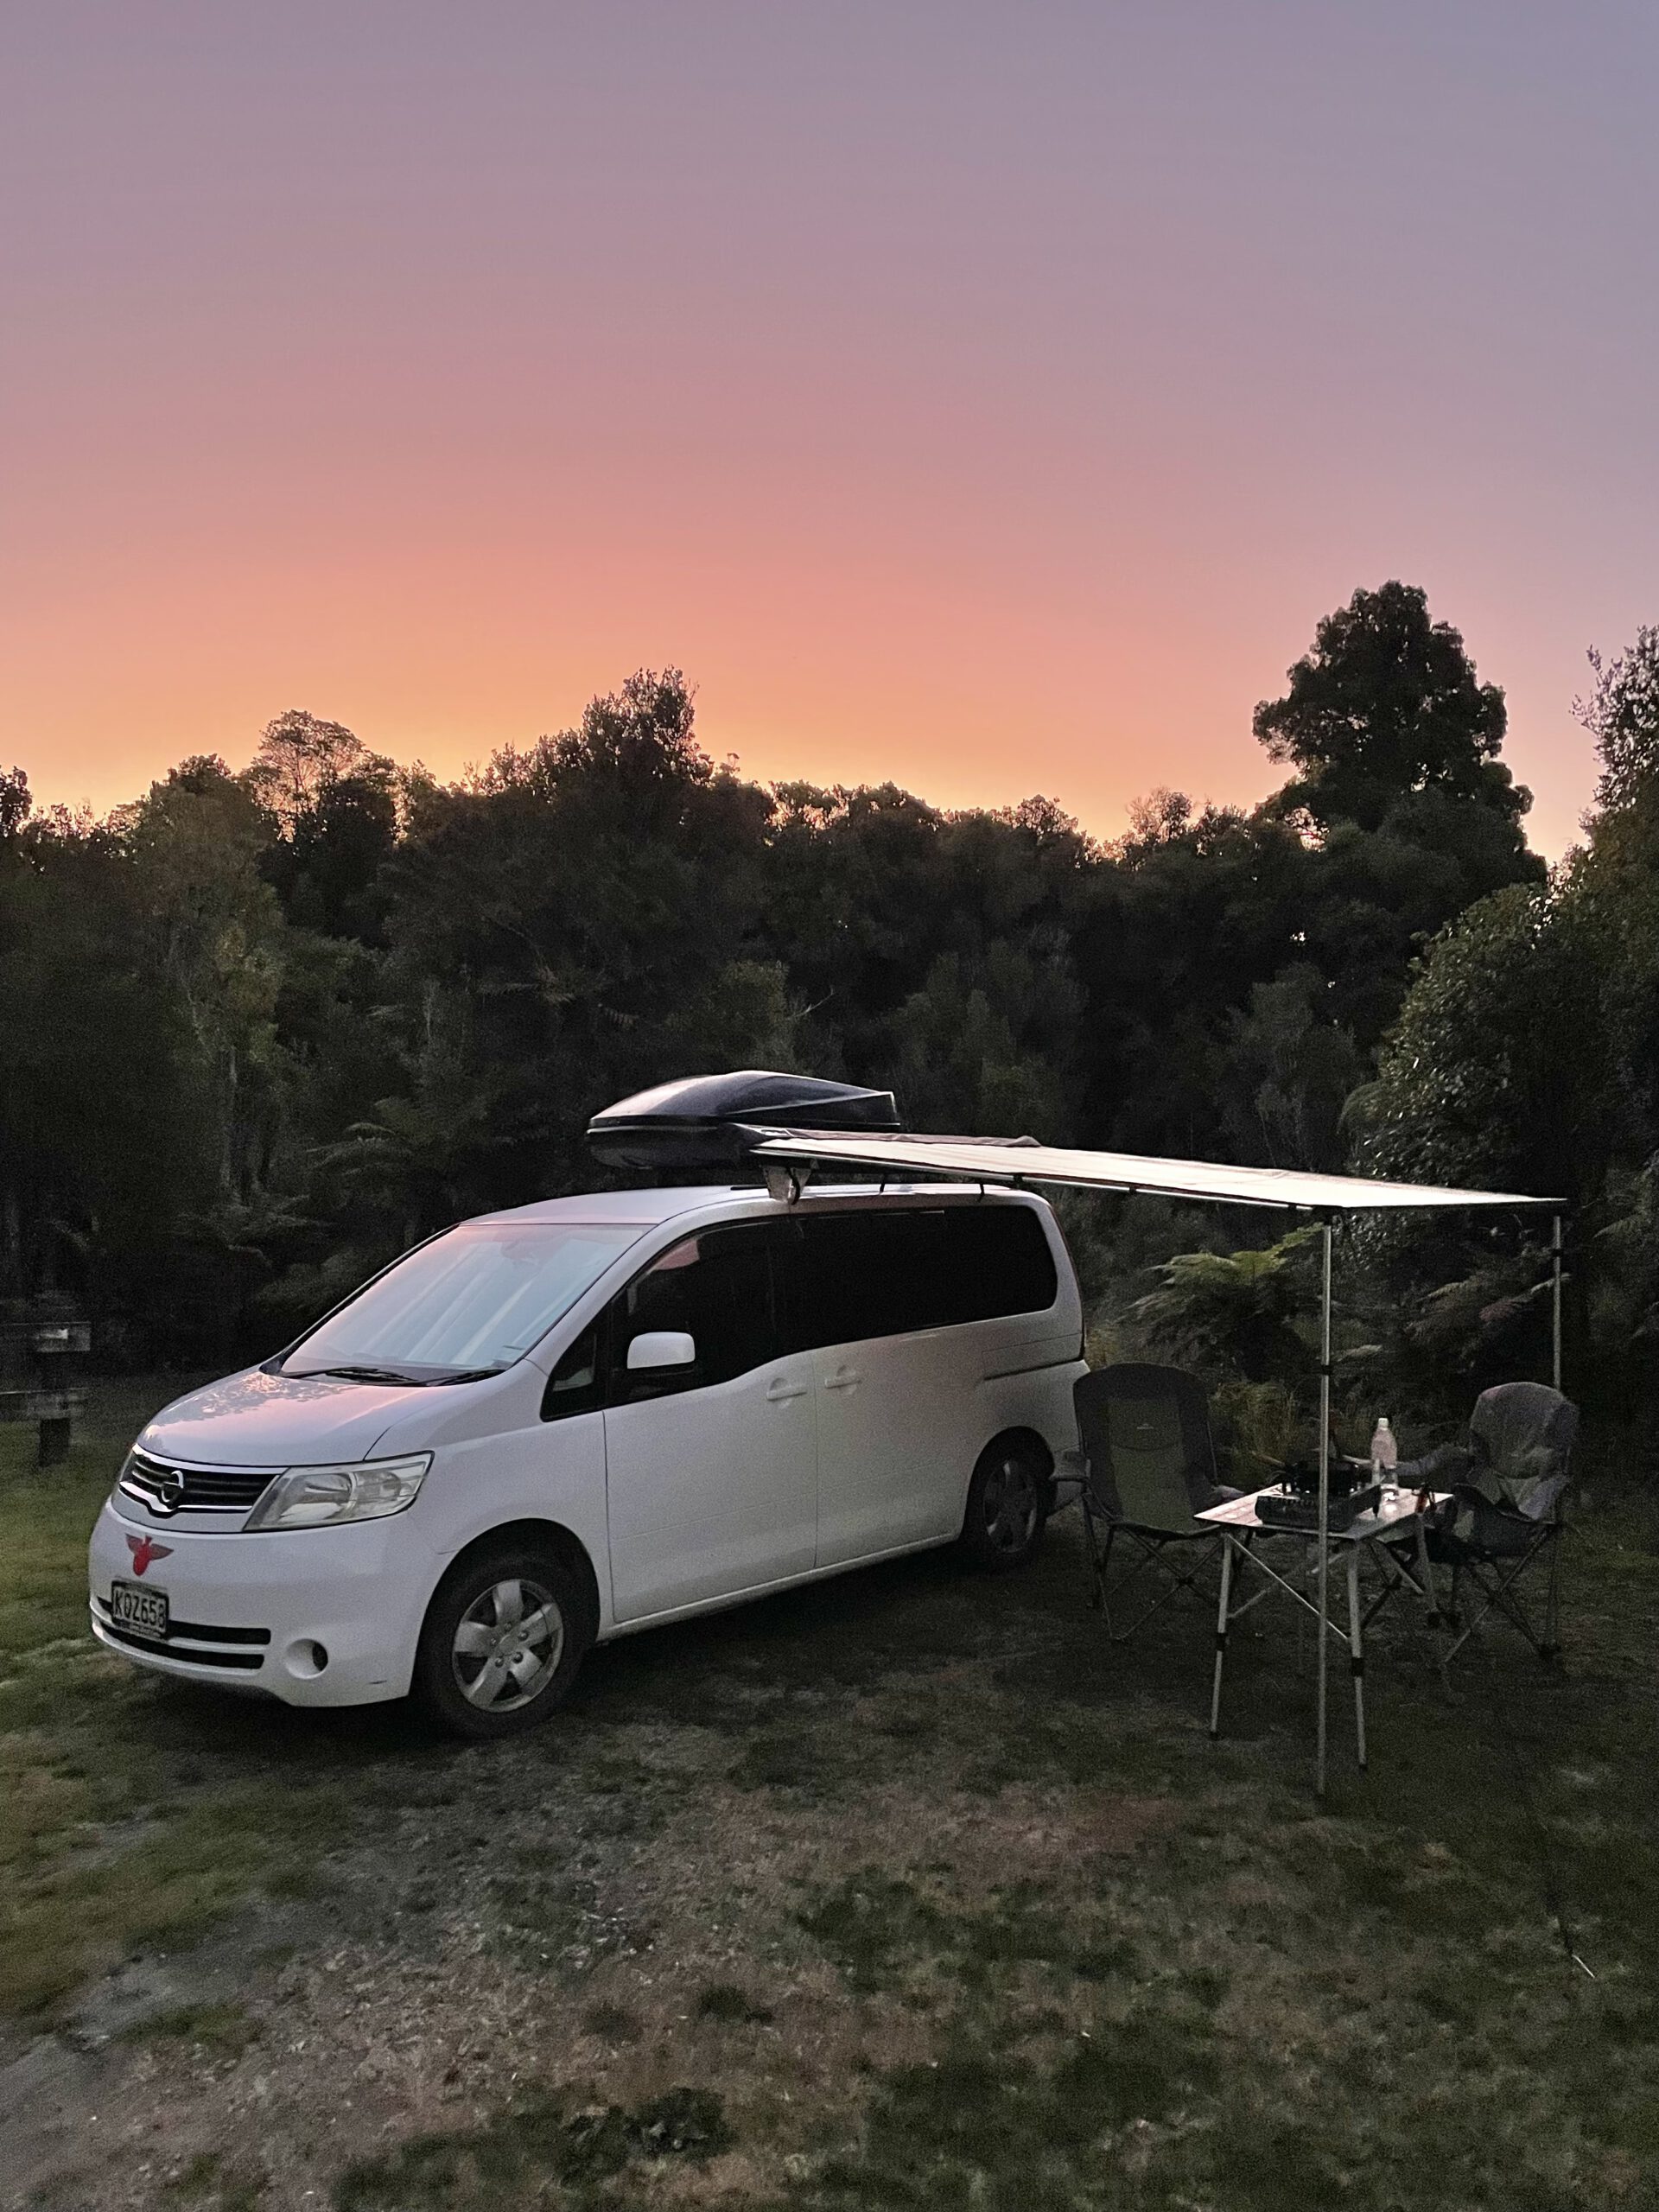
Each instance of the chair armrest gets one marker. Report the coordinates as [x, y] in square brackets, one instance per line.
[1070, 1479]
[1545, 1497]
[1447, 1466]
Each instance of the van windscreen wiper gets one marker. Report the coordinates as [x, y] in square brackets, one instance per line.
[366, 1374]
[399, 1375]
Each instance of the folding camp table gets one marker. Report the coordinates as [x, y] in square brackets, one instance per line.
[1371, 1537]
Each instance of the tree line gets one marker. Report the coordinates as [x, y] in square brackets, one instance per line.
[261, 1030]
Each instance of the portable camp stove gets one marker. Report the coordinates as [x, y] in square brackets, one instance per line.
[1294, 1503]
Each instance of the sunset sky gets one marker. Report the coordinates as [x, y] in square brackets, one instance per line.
[991, 398]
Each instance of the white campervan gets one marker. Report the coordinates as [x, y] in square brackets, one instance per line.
[548, 1427]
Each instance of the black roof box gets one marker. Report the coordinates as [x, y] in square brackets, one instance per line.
[716, 1121]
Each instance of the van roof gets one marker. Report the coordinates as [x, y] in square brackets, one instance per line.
[649, 1207]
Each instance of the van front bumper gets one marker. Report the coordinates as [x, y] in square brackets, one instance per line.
[312, 1616]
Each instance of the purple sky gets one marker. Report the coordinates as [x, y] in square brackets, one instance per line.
[990, 398]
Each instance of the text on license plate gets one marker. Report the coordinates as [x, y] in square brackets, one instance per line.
[142, 1612]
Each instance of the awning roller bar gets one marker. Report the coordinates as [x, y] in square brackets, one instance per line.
[1199, 1181]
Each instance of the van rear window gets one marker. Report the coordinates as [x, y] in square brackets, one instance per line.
[886, 1274]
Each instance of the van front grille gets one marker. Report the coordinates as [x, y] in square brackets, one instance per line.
[166, 1488]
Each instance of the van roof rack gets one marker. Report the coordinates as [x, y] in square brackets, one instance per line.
[703, 1121]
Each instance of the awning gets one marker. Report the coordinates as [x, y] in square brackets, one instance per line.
[994, 1159]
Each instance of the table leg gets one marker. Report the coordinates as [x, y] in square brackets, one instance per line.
[1221, 1631]
[1356, 1648]
[1426, 1569]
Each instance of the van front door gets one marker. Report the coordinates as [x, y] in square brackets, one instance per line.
[711, 1470]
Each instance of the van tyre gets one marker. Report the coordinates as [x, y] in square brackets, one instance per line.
[1008, 1505]
[503, 1639]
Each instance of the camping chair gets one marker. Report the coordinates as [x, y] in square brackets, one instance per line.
[1149, 1469]
[1505, 1514]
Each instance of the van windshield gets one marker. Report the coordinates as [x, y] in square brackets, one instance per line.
[466, 1305]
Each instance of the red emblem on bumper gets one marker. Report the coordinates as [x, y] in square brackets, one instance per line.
[143, 1551]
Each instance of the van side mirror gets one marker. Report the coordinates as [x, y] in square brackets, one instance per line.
[657, 1348]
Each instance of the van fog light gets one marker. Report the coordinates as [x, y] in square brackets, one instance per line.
[306, 1659]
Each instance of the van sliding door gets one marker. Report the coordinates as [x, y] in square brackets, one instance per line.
[898, 1404]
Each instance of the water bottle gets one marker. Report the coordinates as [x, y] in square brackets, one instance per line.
[1385, 1458]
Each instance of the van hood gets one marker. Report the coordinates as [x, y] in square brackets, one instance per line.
[256, 1419]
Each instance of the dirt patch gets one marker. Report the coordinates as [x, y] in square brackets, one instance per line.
[513, 1912]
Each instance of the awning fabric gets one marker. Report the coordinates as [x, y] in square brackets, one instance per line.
[975, 1159]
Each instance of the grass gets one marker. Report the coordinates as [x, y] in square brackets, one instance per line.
[903, 1890]
[132, 1813]
[223, 2029]
[211, 2183]
[727, 2001]
[989, 2126]
[533, 2145]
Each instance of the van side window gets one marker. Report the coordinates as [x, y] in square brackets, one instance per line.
[869, 1274]
[574, 1387]
[718, 1288]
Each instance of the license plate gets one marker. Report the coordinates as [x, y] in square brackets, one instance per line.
[141, 1613]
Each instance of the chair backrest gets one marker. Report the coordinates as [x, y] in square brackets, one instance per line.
[1145, 1432]
[1522, 1434]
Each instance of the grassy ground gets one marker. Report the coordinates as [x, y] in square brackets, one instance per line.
[907, 1891]
[125, 1817]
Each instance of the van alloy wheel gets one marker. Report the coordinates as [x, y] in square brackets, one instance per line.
[1008, 1504]
[507, 1645]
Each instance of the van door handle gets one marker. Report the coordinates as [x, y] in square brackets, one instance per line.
[844, 1380]
[778, 1390]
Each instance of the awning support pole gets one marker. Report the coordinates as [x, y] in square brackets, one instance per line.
[1325, 1497]
[1555, 1316]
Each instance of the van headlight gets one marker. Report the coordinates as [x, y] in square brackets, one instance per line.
[361, 1489]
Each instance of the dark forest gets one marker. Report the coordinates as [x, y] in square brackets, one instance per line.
[261, 1031]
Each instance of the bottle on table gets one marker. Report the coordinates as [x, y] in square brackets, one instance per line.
[1385, 1458]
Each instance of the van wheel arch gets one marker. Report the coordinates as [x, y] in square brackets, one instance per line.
[541, 1535]
[1028, 1440]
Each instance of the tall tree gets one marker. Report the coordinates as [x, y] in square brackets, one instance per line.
[933, 949]
[1613, 882]
[335, 806]
[1287, 1074]
[1495, 1077]
[594, 898]
[1622, 714]
[212, 930]
[1387, 706]
[100, 1146]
